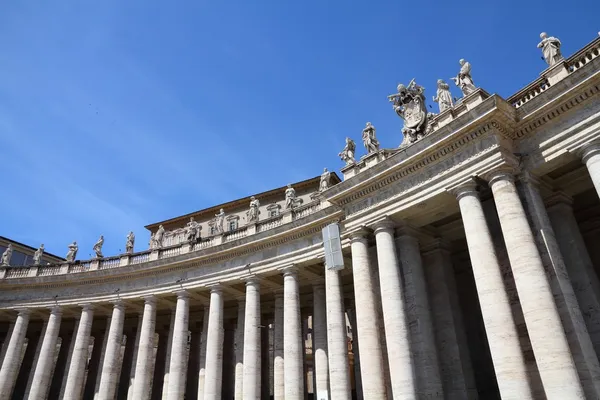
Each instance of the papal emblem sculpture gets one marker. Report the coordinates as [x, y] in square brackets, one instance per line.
[409, 104]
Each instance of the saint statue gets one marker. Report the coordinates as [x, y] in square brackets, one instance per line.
[443, 96]
[219, 221]
[347, 155]
[550, 49]
[158, 237]
[290, 196]
[324, 183]
[192, 230]
[464, 80]
[73, 248]
[37, 256]
[253, 211]
[98, 247]
[369, 140]
[5, 262]
[130, 242]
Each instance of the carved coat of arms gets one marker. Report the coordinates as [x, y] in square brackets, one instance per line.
[409, 104]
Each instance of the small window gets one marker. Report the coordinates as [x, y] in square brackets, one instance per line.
[232, 225]
[273, 213]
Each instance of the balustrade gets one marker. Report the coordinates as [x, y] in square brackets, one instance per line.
[140, 258]
[108, 263]
[237, 234]
[170, 252]
[306, 210]
[583, 57]
[49, 270]
[269, 223]
[12, 273]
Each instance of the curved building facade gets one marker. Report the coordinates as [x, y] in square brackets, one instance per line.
[470, 271]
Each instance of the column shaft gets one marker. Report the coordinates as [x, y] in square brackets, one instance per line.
[110, 367]
[178, 362]
[319, 337]
[292, 337]
[12, 358]
[143, 365]
[278, 361]
[591, 158]
[252, 342]
[214, 347]
[373, 382]
[44, 367]
[239, 352]
[202, 363]
[74, 385]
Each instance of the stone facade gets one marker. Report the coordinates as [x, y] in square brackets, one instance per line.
[471, 272]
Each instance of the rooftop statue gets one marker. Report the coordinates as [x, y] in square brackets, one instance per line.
[72, 254]
[443, 96]
[130, 242]
[37, 256]
[158, 238]
[464, 80]
[192, 230]
[253, 212]
[369, 141]
[409, 104]
[98, 247]
[5, 261]
[290, 196]
[324, 183]
[347, 155]
[550, 49]
[219, 221]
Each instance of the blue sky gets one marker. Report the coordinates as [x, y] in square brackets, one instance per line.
[115, 114]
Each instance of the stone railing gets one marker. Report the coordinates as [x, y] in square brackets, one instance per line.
[534, 89]
[584, 56]
[167, 250]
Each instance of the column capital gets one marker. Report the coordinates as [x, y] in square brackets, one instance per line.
[252, 280]
[386, 224]
[23, 312]
[215, 288]
[118, 303]
[290, 270]
[182, 294]
[559, 198]
[149, 299]
[359, 235]
[86, 306]
[589, 150]
[500, 175]
[466, 188]
[56, 310]
[437, 244]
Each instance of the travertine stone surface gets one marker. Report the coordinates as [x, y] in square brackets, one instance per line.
[145, 358]
[292, 337]
[337, 346]
[419, 317]
[371, 363]
[319, 338]
[74, 385]
[239, 352]
[12, 358]
[112, 357]
[252, 341]
[397, 333]
[553, 357]
[500, 328]
[167, 362]
[202, 362]
[179, 356]
[214, 346]
[591, 158]
[278, 350]
[351, 312]
[45, 363]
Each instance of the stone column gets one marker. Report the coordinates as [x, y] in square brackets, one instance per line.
[252, 339]
[167, 363]
[278, 362]
[110, 367]
[12, 358]
[202, 363]
[214, 346]
[591, 158]
[143, 365]
[455, 362]
[371, 363]
[319, 337]
[397, 333]
[500, 328]
[265, 375]
[179, 356]
[74, 385]
[351, 312]
[553, 356]
[292, 336]
[239, 352]
[130, 356]
[43, 370]
[337, 338]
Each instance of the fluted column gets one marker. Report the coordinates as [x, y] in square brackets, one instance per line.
[252, 341]
[278, 360]
[179, 359]
[143, 365]
[553, 356]
[43, 370]
[292, 336]
[110, 367]
[590, 155]
[239, 352]
[397, 333]
[500, 328]
[214, 346]
[371, 363]
[74, 385]
[12, 358]
[319, 338]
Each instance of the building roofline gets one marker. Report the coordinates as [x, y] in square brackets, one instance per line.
[335, 179]
[29, 247]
